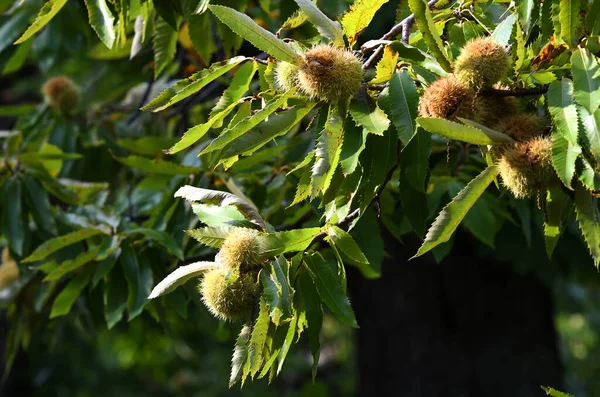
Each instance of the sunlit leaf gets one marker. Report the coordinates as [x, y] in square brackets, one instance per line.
[47, 12]
[326, 27]
[359, 16]
[180, 276]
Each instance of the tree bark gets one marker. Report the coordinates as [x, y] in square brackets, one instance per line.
[468, 327]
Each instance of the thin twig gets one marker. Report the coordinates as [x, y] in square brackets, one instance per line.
[518, 93]
[403, 27]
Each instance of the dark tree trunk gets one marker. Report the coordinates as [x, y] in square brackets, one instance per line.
[467, 327]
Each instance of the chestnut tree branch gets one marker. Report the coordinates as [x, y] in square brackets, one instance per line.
[403, 27]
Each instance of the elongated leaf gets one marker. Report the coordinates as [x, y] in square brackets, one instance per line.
[237, 88]
[346, 244]
[102, 21]
[592, 20]
[328, 151]
[525, 10]
[289, 241]
[262, 39]
[246, 124]
[67, 297]
[139, 280]
[186, 87]
[503, 31]
[403, 105]
[53, 245]
[588, 217]
[586, 79]
[215, 216]
[240, 355]
[386, 67]
[555, 205]
[367, 114]
[258, 338]
[314, 314]
[555, 393]
[326, 27]
[431, 37]
[452, 130]
[355, 139]
[164, 44]
[162, 238]
[48, 11]
[217, 197]
[180, 276]
[330, 289]
[591, 131]
[13, 227]
[72, 264]
[359, 16]
[115, 297]
[157, 166]
[569, 20]
[565, 146]
[587, 175]
[211, 236]
[272, 293]
[277, 125]
[450, 217]
[39, 205]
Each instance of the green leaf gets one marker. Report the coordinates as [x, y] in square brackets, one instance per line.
[161, 237]
[237, 88]
[211, 236]
[13, 227]
[587, 175]
[525, 9]
[569, 20]
[48, 11]
[246, 124]
[180, 276]
[53, 245]
[326, 27]
[287, 343]
[431, 37]
[555, 205]
[258, 338]
[586, 79]
[555, 393]
[591, 131]
[503, 31]
[359, 16]
[67, 297]
[450, 217]
[469, 134]
[189, 86]
[216, 197]
[367, 114]
[330, 289]
[350, 251]
[403, 105]
[354, 143]
[565, 146]
[72, 264]
[104, 266]
[139, 280]
[262, 39]
[39, 205]
[588, 217]
[289, 241]
[240, 354]
[314, 314]
[592, 20]
[11, 28]
[115, 297]
[157, 166]
[215, 216]
[276, 125]
[102, 21]
[328, 151]
[146, 146]
[164, 44]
